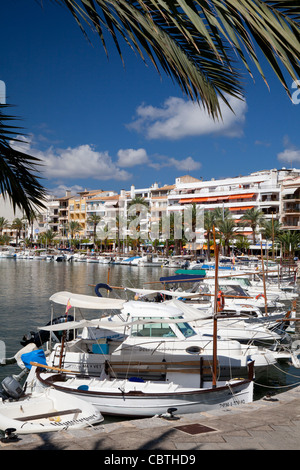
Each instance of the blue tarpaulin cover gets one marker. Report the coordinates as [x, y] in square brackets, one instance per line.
[34, 356]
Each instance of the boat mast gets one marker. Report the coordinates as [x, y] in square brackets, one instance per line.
[214, 374]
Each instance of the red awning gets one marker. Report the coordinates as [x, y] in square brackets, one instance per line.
[185, 201]
[240, 208]
[241, 196]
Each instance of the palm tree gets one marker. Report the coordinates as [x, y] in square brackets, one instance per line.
[47, 237]
[3, 224]
[209, 224]
[227, 227]
[4, 239]
[94, 219]
[31, 218]
[220, 214]
[270, 230]
[242, 243]
[18, 225]
[74, 227]
[290, 240]
[136, 210]
[18, 182]
[252, 217]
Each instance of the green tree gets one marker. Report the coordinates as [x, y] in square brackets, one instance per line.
[220, 214]
[270, 230]
[3, 224]
[290, 241]
[227, 228]
[242, 243]
[209, 224]
[94, 219]
[137, 211]
[46, 238]
[4, 239]
[74, 227]
[252, 217]
[17, 225]
[18, 181]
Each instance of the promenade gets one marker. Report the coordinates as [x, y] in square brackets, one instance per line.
[266, 424]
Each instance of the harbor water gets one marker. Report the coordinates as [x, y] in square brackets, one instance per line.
[26, 286]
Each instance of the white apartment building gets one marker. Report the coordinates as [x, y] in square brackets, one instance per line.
[260, 190]
[290, 203]
[275, 192]
[103, 204]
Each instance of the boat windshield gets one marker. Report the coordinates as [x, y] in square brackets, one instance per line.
[244, 282]
[157, 330]
[233, 290]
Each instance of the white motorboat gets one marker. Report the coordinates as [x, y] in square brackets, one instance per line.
[235, 295]
[8, 253]
[255, 288]
[43, 410]
[150, 331]
[244, 323]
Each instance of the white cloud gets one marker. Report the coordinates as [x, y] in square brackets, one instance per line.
[60, 190]
[178, 118]
[290, 153]
[188, 164]
[79, 162]
[131, 157]
[82, 162]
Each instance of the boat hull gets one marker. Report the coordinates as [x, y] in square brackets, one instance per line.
[131, 399]
[47, 411]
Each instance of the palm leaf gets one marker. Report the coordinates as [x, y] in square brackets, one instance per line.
[17, 179]
[195, 42]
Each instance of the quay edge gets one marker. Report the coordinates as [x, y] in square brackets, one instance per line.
[265, 424]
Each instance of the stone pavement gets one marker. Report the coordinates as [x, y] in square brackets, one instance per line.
[272, 424]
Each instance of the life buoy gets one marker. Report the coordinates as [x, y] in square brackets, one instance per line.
[101, 286]
[259, 296]
[220, 301]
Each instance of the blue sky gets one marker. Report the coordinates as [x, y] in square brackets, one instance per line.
[98, 125]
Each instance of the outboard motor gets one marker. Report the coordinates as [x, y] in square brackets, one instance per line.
[12, 387]
[43, 336]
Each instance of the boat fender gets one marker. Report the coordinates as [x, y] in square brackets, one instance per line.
[83, 387]
[102, 286]
[220, 301]
[259, 296]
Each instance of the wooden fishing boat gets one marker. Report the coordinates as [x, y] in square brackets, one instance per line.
[145, 398]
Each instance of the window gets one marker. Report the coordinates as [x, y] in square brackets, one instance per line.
[186, 329]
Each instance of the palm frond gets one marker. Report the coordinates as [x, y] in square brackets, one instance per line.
[197, 42]
[18, 182]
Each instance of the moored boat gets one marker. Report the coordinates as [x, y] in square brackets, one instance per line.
[144, 398]
[43, 410]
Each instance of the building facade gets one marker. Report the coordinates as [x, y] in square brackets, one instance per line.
[276, 193]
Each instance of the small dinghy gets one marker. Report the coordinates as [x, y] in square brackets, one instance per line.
[43, 410]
